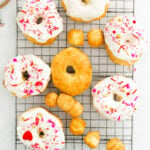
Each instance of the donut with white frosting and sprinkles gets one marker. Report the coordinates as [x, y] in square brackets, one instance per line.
[86, 10]
[26, 76]
[38, 129]
[125, 40]
[116, 97]
[39, 21]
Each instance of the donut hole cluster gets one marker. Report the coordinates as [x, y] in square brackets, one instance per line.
[39, 20]
[70, 70]
[25, 75]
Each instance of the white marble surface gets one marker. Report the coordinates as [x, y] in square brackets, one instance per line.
[7, 103]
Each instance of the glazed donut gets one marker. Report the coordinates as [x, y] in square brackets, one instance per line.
[40, 130]
[86, 10]
[71, 71]
[3, 3]
[124, 40]
[116, 97]
[39, 21]
[26, 76]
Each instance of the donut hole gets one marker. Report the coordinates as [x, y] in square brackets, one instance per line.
[117, 98]
[41, 134]
[39, 20]
[25, 75]
[70, 70]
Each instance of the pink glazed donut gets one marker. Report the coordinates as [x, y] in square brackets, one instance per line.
[116, 97]
[26, 76]
[38, 129]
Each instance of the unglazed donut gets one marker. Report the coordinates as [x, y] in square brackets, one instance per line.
[39, 21]
[71, 71]
[3, 3]
[116, 97]
[26, 76]
[124, 40]
[86, 10]
[38, 129]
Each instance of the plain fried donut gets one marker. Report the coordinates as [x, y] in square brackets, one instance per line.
[116, 97]
[71, 71]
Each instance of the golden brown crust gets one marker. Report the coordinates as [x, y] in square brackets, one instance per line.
[80, 20]
[92, 139]
[4, 3]
[50, 41]
[77, 126]
[51, 99]
[75, 37]
[95, 37]
[117, 60]
[69, 105]
[76, 83]
[115, 144]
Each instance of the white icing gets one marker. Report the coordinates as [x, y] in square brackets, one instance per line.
[38, 71]
[131, 43]
[39, 119]
[87, 12]
[51, 25]
[105, 103]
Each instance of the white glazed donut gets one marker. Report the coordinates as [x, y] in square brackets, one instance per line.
[26, 76]
[116, 97]
[86, 10]
[40, 130]
[39, 21]
[124, 40]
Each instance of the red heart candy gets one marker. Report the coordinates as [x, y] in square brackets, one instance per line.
[28, 136]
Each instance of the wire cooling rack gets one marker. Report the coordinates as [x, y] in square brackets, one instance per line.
[102, 67]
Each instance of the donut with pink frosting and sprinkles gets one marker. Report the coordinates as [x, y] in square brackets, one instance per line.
[39, 21]
[38, 129]
[26, 76]
[124, 40]
[116, 97]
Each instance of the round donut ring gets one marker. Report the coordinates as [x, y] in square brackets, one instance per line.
[116, 97]
[71, 71]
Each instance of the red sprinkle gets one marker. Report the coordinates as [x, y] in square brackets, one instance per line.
[134, 21]
[38, 83]
[28, 136]
[114, 32]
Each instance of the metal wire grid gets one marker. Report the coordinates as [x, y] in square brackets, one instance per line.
[102, 67]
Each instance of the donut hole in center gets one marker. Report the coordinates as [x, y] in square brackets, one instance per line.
[85, 1]
[116, 97]
[39, 20]
[70, 70]
[41, 134]
[25, 75]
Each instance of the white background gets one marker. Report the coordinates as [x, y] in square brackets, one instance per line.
[7, 102]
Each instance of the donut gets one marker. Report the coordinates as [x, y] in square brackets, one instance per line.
[124, 40]
[39, 21]
[71, 71]
[92, 139]
[26, 76]
[95, 37]
[3, 3]
[38, 129]
[86, 10]
[75, 37]
[114, 144]
[77, 126]
[116, 97]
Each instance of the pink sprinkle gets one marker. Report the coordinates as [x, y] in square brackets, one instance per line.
[119, 118]
[14, 60]
[136, 98]
[94, 90]
[133, 55]
[134, 69]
